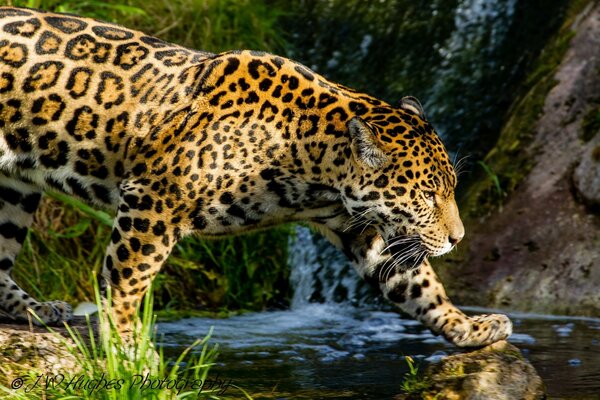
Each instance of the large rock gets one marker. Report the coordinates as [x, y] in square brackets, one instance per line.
[28, 349]
[540, 250]
[497, 372]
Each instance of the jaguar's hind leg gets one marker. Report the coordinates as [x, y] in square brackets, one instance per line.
[18, 202]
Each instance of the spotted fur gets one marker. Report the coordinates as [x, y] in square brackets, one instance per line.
[183, 142]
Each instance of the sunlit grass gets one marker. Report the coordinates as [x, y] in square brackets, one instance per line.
[210, 25]
[66, 246]
[414, 383]
[108, 368]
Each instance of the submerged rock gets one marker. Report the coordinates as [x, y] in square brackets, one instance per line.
[497, 372]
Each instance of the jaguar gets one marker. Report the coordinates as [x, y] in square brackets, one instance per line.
[180, 142]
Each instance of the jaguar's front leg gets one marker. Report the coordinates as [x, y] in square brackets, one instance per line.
[418, 292]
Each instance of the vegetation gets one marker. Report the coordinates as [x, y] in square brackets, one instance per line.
[208, 274]
[107, 368]
[66, 246]
[414, 384]
[590, 126]
[494, 178]
[211, 25]
[68, 238]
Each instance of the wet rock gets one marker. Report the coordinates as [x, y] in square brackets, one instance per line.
[498, 372]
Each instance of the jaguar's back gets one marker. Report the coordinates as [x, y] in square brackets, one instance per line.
[100, 83]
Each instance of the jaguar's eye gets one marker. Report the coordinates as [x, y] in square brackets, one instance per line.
[429, 196]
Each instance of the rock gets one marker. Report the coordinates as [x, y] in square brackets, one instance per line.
[26, 349]
[586, 176]
[497, 371]
[536, 249]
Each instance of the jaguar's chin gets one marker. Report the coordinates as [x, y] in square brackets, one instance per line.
[440, 251]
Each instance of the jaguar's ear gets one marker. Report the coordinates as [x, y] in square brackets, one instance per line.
[411, 103]
[364, 144]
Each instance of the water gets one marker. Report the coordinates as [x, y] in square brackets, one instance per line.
[344, 352]
[321, 273]
[339, 340]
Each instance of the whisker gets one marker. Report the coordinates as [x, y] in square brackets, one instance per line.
[365, 227]
[356, 219]
[459, 166]
[404, 257]
[394, 242]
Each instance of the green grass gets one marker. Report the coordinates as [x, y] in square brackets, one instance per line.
[68, 238]
[414, 384]
[66, 244]
[210, 25]
[497, 187]
[107, 368]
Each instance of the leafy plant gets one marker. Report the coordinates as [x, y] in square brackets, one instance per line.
[498, 191]
[92, 8]
[414, 384]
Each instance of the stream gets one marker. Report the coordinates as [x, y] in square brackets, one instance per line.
[335, 351]
[464, 59]
[338, 340]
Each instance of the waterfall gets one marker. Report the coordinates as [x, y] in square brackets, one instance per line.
[323, 274]
[470, 59]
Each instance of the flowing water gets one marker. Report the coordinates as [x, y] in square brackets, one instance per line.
[338, 341]
[344, 352]
[464, 59]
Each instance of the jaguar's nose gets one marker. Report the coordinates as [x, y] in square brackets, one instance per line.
[455, 239]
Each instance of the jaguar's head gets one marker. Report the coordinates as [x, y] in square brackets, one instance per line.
[403, 183]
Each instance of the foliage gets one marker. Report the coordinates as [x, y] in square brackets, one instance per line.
[91, 8]
[247, 272]
[107, 359]
[590, 125]
[67, 242]
[498, 192]
[65, 245]
[414, 385]
[210, 25]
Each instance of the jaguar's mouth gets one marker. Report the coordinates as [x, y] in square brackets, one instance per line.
[408, 252]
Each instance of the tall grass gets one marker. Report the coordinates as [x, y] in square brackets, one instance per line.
[68, 238]
[107, 368]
